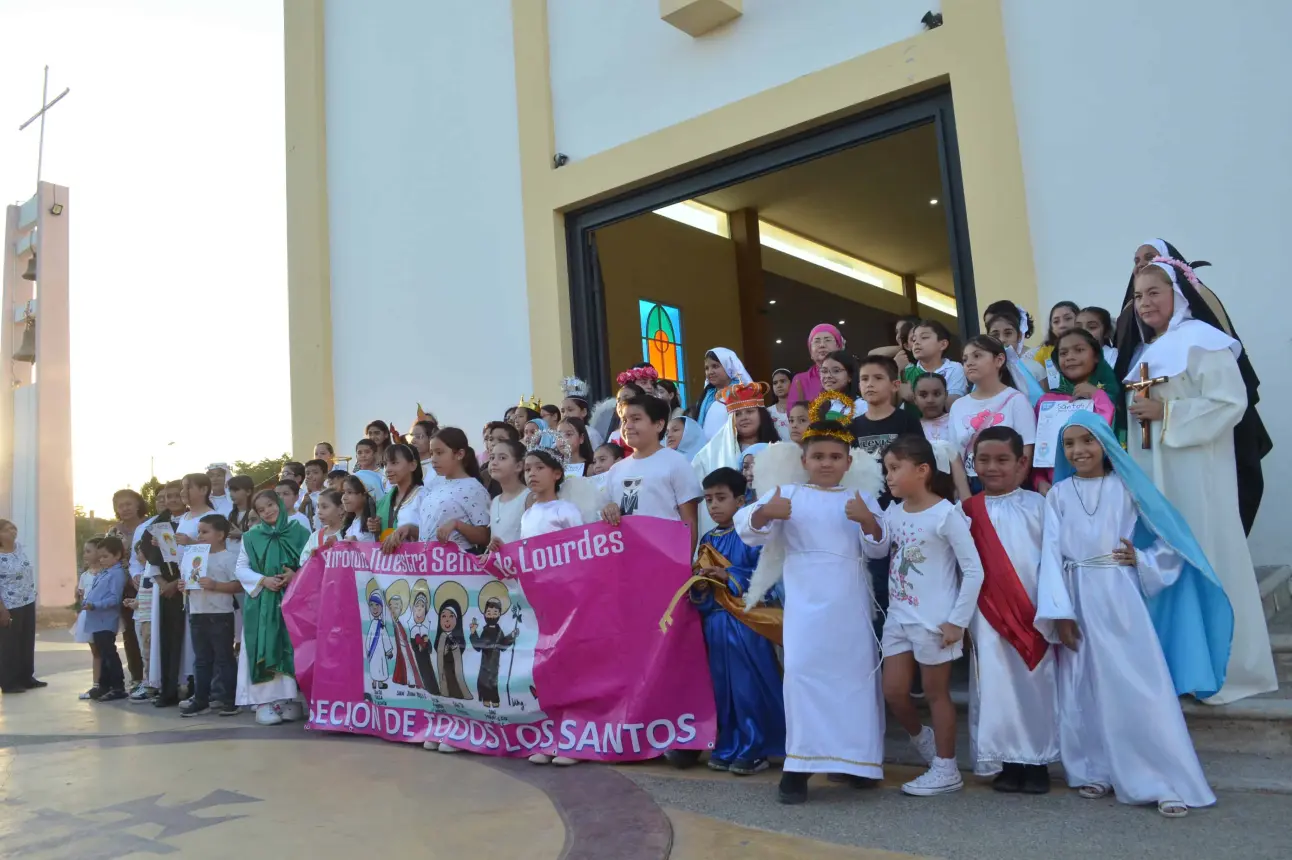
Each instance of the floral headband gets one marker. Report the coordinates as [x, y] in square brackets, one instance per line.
[637, 374]
[1181, 267]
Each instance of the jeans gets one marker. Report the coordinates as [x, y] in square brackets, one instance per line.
[111, 675]
[215, 669]
[18, 648]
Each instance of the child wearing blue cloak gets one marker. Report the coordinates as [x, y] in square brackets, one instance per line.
[747, 683]
[1142, 618]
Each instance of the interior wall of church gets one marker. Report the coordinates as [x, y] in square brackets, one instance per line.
[651, 257]
[427, 242]
[1179, 130]
[618, 72]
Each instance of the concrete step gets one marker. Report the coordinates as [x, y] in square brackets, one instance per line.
[1282, 645]
[1275, 581]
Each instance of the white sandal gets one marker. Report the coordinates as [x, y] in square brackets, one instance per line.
[1172, 808]
[1094, 790]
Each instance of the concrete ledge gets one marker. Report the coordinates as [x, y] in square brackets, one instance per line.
[1275, 583]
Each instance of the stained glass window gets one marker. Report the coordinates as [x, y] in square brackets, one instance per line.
[662, 342]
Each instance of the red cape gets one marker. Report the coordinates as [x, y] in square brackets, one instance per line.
[1003, 600]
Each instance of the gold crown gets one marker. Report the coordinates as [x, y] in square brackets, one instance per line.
[532, 402]
[822, 409]
[743, 395]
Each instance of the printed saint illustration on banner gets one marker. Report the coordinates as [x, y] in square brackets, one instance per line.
[164, 534]
[449, 644]
[195, 566]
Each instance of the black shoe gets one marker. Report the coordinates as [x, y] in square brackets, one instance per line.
[11, 690]
[682, 759]
[165, 702]
[195, 709]
[720, 765]
[227, 710]
[793, 788]
[862, 782]
[1010, 779]
[33, 684]
[1036, 779]
[113, 695]
[96, 693]
[749, 767]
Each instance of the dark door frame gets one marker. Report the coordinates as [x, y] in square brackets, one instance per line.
[587, 292]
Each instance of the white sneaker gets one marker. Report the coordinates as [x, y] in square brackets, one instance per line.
[186, 702]
[938, 779]
[267, 715]
[539, 758]
[564, 761]
[290, 711]
[448, 748]
[431, 745]
[925, 744]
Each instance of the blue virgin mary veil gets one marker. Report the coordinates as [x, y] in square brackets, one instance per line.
[1193, 617]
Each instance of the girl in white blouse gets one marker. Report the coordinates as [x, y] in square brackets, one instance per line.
[507, 467]
[332, 517]
[456, 509]
[399, 514]
[359, 509]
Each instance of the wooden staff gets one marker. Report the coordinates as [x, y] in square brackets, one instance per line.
[1141, 388]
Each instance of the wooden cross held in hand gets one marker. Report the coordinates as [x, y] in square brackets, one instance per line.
[40, 114]
[1142, 388]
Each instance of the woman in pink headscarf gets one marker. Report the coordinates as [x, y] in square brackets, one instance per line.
[823, 340]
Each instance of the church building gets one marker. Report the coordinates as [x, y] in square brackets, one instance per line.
[487, 196]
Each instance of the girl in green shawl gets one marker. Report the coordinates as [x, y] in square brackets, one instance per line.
[1084, 375]
[269, 558]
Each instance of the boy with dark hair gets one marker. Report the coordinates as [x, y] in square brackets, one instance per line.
[655, 481]
[288, 491]
[742, 659]
[879, 383]
[315, 478]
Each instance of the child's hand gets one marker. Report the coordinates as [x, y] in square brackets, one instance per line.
[184, 540]
[951, 634]
[1083, 391]
[374, 525]
[778, 507]
[1125, 554]
[130, 603]
[1069, 633]
[207, 583]
[611, 514]
[444, 533]
[495, 544]
[857, 511]
[87, 605]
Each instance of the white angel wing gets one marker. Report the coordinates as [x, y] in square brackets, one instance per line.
[602, 416]
[586, 494]
[768, 572]
[776, 465]
[865, 474]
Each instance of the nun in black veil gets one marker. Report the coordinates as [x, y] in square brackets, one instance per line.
[1251, 441]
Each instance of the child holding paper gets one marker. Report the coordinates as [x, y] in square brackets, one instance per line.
[210, 619]
[1085, 375]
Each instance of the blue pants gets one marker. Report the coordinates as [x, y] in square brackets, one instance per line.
[215, 669]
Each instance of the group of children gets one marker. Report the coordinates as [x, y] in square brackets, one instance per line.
[1005, 565]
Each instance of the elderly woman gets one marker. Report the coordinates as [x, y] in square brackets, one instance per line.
[822, 340]
[17, 615]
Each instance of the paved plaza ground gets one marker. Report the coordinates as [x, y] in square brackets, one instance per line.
[99, 782]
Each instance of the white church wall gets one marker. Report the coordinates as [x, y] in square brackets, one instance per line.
[1165, 118]
[424, 209]
[618, 72]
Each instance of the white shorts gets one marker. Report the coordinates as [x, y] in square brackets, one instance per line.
[924, 643]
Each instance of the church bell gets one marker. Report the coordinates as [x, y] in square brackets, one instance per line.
[30, 274]
[26, 350]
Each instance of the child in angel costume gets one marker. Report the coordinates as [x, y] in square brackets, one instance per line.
[816, 508]
[1118, 559]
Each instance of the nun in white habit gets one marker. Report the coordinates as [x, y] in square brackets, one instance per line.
[1191, 418]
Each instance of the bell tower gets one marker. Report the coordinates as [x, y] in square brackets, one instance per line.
[35, 395]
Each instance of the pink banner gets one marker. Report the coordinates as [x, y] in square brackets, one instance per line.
[556, 648]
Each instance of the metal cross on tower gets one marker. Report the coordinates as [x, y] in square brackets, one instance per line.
[45, 105]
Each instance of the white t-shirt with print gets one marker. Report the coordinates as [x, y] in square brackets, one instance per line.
[925, 549]
[970, 416]
[653, 486]
[463, 499]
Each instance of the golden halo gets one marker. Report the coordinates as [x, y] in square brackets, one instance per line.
[494, 589]
[398, 588]
[421, 588]
[450, 590]
[372, 586]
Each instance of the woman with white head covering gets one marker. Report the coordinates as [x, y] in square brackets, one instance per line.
[722, 368]
[1251, 441]
[1190, 417]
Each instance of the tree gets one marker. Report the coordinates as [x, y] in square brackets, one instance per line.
[149, 491]
[261, 471]
[88, 527]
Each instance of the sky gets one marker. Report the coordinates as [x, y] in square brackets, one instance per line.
[171, 145]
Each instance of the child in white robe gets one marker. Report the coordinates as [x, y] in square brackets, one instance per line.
[1120, 723]
[1013, 724]
[834, 716]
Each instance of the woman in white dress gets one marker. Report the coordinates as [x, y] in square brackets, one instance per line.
[269, 558]
[1191, 419]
